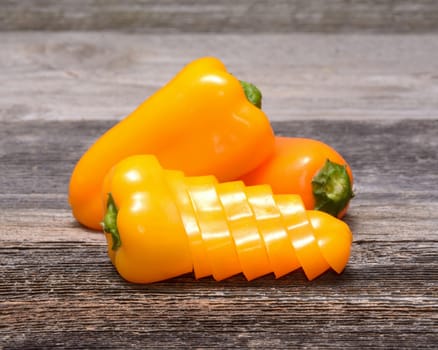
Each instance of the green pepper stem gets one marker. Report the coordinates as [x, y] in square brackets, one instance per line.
[110, 222]
[252, 93]
[332, 188]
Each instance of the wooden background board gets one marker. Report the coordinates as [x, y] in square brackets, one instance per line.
[105, 75]
[361, 76]
[223, 16]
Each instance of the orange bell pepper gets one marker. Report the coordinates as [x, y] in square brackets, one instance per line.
[201, 122]
[309, 168]
[161, 224]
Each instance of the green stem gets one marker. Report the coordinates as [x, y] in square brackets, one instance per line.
[110, 222]
[252, 93]
[332, 188]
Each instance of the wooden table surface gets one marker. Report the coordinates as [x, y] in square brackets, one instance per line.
[67, 76]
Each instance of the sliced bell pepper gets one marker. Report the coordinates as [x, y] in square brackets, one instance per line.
[201, 122]
[160, 224]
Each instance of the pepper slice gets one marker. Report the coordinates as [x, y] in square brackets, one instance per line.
[177, 184]
[221, 252]
[271, 227]
[289, 205]
[198, 247]
[241, 221]
[335, 251]
[302, 237]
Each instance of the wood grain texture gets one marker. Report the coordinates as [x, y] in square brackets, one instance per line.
[243, 16]
[60, 76]
[59, 290]
[72, 298]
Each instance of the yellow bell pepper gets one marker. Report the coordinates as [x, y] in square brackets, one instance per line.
[201, 122]
[161, 224]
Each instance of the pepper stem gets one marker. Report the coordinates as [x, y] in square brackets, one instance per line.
[252, 93]
[332, 188]
[110, 222]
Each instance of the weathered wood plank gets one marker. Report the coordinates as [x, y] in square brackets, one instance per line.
[68, 295]
[395, 165]
[245, 16]
[59, 290]
[60, 76]
[397, 158]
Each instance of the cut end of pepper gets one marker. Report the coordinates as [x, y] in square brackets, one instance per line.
[332, 188]
[252, 93]
[110, 222]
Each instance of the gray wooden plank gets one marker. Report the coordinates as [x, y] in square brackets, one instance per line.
[68, 296]
[395, 158]
[91, 75]
[394, 163]
[246, 16]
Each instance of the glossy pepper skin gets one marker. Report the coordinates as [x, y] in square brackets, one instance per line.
[200, 122]
[161, 224]
[309, 168]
